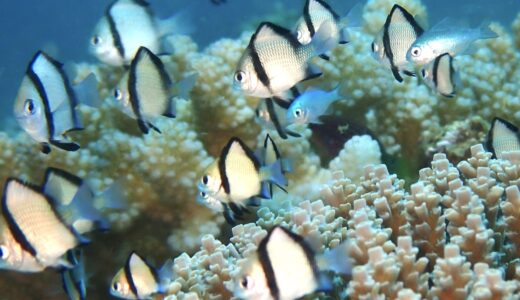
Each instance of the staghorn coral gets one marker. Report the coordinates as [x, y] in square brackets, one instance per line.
[467, 256]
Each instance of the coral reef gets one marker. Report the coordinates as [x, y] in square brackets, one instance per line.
[454, 233]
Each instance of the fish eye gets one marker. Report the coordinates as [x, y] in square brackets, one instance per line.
[4, 252]
[299, 35]
[117, 94]
[416, 51]
[246, 282]
[298, 112]
[240, 76]
[96, 40]
[205, 179]
[204, 195]
[116, 286]
[29, 107]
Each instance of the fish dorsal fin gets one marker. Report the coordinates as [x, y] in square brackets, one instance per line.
[320, 6]
[61, 185]
[399, 15]
[268, 31]
[448, 23]
[142, 276]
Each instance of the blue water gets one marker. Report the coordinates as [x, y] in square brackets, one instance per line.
[63, 28]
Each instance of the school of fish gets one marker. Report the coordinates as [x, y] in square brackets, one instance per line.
[47, 225]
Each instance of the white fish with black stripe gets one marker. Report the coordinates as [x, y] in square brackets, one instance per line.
[237, 179]
[128, 25]
[286, 267]
[33, 236]
[316, 12]
[391, 44]
[503, 138]
[439, 75]
[139, 280]
[274, 61]
[146, 91]
[447, 36]
[45, 106]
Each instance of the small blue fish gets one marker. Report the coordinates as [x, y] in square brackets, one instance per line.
[311, 105]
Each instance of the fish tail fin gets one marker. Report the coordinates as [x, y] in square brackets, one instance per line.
[265, 190]
[336, 260]
[113, 197]
[183, 87]
[324, 40]
[485, 31]
[82, 208]
[276, 174]
[180, 23]
[324, 283]
[86, 91]
[171, 108]
[165, 275]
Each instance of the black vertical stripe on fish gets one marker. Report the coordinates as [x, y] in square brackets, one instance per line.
[134, 96]
[259, 68]
[295, 92]
[282, 103]
[274, 118]
[129, 277]
[118, 43]
[223, 157]
[452, 73]
[228, 214]
[309, 253]
[265, 261]
[435, 70]
[17, 232]
[35, 79]
[73, 101]
[307, 19]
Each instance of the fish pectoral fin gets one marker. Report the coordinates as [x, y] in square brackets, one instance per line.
[171, 109]
[312, 71]
[145, 126]
[65, 145]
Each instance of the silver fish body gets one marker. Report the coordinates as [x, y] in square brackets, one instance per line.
[315, 13]
[146, 91]
[139, 280]
[126, 26]
[439, 75]
[285, 267]
[393, 41]
[32, 236]
[45, 106]
[275, 61]
[445, 37]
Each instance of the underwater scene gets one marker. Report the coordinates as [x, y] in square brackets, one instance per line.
[226, 149]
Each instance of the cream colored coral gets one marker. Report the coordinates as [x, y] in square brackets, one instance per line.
[451, 275]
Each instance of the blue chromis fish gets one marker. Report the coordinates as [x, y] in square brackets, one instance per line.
[285, 267]
[146, 90]
[139, 280]
[128, 25]
[32, 234]
[237, 179]
[393, 40]
[45, 106]
[274, 61]
[311, 105]
[503, 137]
[271, 114]
[74, 280]
[439, 75]
[445, 37]
[78, 206]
